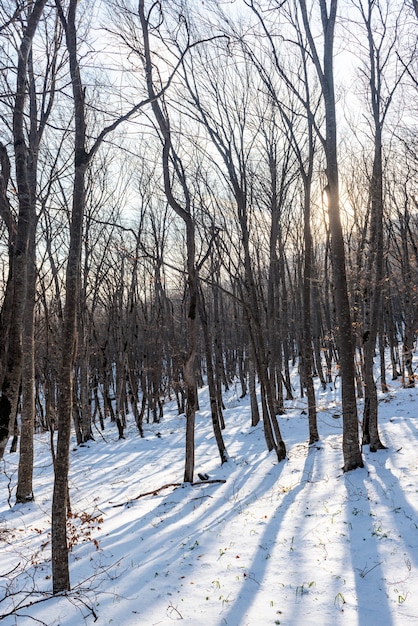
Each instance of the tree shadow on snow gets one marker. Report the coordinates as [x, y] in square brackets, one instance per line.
[258, 568]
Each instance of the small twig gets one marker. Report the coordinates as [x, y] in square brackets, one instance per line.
[88, 607]
[173, 609]
[9, 484]
[363, 572]
[10, 572]
[16, 610]
[206, 495]
[100, 433]
[175, 485]
[35, 619]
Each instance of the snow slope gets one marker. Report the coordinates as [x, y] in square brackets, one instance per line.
[295, 543]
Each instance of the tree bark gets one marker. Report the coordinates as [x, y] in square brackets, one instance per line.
[60, 502]
[351, 448]
[10, 384]
[216, 410]
[184, 212]
[24, 491]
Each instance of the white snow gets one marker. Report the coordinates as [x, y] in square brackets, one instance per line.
[292, 543]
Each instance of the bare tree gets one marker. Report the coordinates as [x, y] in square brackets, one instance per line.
[83, 156]
[226, 125]
[40, 107]
[382, 39]
[325, 72]
[171, 162]
[296, 101]
[19, 261]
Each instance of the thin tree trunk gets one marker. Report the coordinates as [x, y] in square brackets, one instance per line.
[216, 410]
[24, 492]
[60, 501]
[184, 212]
[255, 413]
[307, 359]
[351, 447]
[10, 384]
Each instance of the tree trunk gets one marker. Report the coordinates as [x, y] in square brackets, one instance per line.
[216, 410]
[351, 448]
[60, 501]
[184, 212]
[24, 492]
[189, 373]
[374, 277]
[10, 384]
[307, 359]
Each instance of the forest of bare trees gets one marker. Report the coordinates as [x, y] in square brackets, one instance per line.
[202, 193]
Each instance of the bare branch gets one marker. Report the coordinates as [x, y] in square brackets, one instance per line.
[167, 486]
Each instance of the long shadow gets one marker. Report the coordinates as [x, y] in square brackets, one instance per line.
[236, 614]
[190, 515]
[372, 601]
[394, 526]
[403, 511]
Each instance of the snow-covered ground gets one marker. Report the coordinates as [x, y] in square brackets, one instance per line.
[291, 543]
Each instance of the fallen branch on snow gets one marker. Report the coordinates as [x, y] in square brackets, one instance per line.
[175, 485]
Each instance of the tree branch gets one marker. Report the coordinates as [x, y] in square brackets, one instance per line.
[175, 485]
